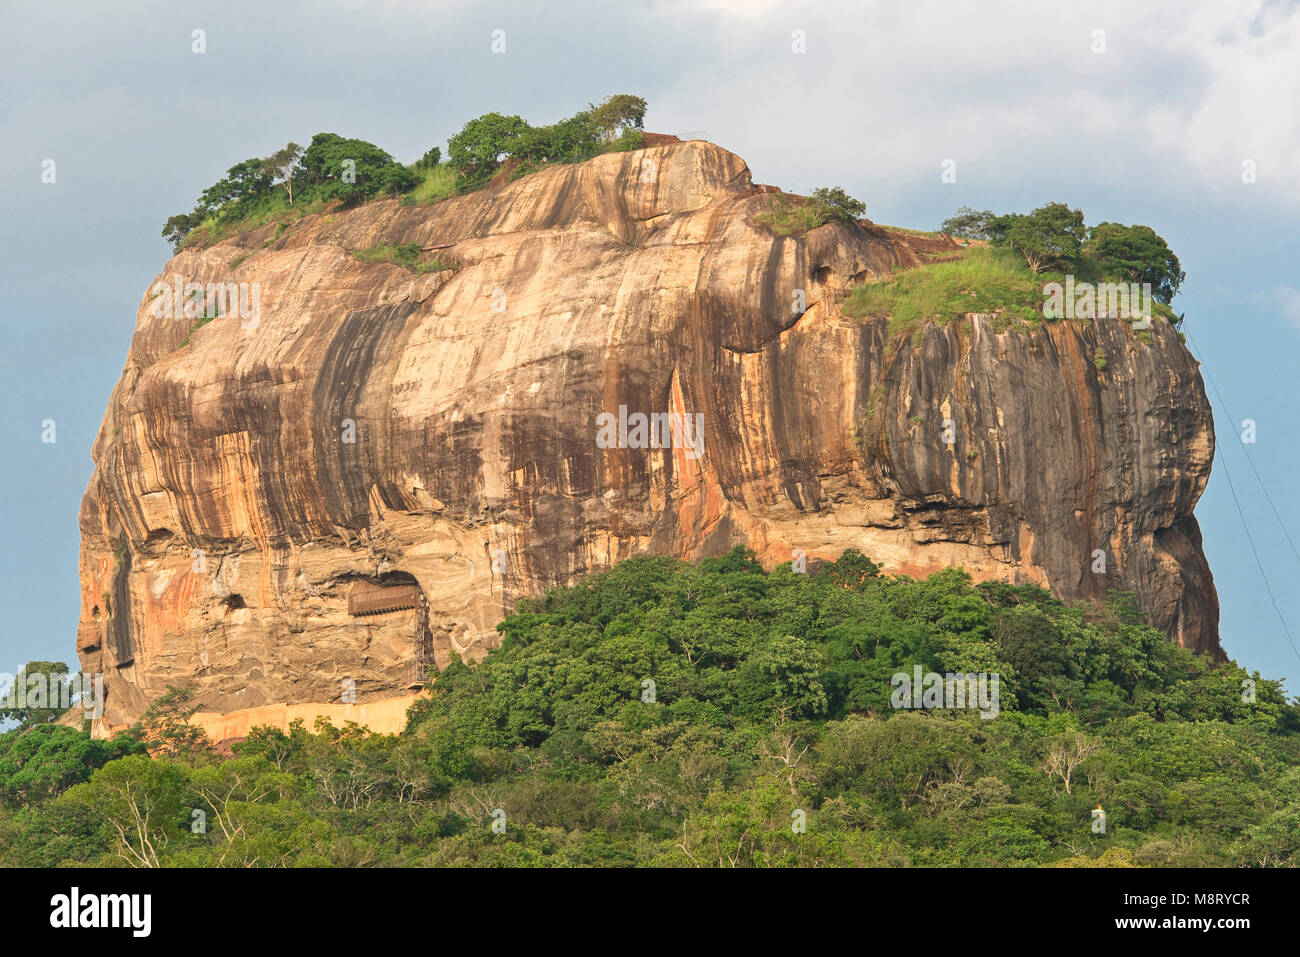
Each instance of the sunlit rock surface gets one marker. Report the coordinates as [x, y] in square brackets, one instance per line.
[372, 426]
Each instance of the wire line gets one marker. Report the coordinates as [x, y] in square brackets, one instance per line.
[1218, 453]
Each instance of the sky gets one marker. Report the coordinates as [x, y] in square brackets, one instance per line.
[1180, 115]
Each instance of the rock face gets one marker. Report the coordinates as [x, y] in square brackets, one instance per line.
[365, 475]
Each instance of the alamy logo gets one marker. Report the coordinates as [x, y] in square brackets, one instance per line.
[1085, 300]
[933, 690]
[193, 300]
[658, 430]
[58, 690]
[102, 910]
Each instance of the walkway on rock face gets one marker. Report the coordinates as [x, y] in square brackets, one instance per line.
[381, 717]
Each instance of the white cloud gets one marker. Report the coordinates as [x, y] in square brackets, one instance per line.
[1250, 106]
[1011, 90]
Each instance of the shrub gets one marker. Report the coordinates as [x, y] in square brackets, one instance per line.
[789, 215]
[969, 223]
[839, 205]
[629, 140]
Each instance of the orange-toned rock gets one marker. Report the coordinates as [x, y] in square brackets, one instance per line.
[440, 431]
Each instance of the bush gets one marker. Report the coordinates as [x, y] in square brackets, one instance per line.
[629, 140]
[968, 223]
[839, 205]
[429, 160]
[790, 215]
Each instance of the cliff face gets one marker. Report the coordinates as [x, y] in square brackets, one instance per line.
[441, 435]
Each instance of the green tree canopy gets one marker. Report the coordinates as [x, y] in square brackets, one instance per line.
[666, 713]
[47, 759]
[617, 113]
[839, 204]
[336, 167]
[179, 226]
[243, 182]
[35, 694]
[282, 166]
[431, 158]
[969, 223]
[483, 140]
[165, 727]
[568, 139]
[1051, 235]
[1138, 254]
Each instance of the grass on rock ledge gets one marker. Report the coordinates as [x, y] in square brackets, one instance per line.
[406, 255]
[981, 279]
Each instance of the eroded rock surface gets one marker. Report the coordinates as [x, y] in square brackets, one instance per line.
[229, 518]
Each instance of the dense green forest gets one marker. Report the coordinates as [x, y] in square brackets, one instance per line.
[714, 714]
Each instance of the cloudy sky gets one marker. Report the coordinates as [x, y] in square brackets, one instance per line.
[1137, 113]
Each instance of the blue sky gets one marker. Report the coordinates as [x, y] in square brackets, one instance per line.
[1152, 130]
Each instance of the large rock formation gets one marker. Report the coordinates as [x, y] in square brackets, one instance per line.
[440, 434]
